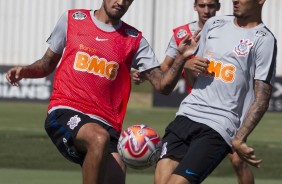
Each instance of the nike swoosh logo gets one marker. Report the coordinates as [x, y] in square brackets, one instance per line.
[190, 173]
[213, 37]
[101, 39]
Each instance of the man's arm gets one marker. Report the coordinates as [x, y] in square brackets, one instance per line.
[40, 68]
[167, 63]
[164, 82]
[262, 91]
[194, 67]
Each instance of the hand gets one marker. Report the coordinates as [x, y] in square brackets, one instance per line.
[14, 75]
[137, 78]
[246, 153]
[189, 44]
[197, 65]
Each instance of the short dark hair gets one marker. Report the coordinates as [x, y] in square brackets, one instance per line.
[215, 0]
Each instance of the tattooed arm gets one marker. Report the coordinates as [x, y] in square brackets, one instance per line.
[164, 81]
[40, 68]
[256, 111]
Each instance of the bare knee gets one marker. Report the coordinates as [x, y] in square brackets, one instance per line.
[92, 136]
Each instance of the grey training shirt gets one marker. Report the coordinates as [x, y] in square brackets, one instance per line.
[238, 56]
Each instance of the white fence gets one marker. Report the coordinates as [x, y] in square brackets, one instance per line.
[26, 24]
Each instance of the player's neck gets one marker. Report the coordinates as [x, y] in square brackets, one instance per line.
[247, 22]
[102, 16]
[201, 24]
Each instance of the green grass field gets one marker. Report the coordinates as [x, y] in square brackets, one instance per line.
[27, 156]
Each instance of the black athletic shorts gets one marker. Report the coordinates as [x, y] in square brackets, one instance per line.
[197, 147]
[62, 126]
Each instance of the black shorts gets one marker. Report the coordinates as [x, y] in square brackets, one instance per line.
[62, 126]
[197, 147]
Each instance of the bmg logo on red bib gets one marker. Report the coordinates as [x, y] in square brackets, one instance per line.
[95, 65]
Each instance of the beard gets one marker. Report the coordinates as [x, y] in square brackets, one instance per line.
[114, 16]
[239, 16]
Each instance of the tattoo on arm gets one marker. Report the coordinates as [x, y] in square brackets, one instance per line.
[43, 66]
[154, 76]
[165, 81]
[262, 92]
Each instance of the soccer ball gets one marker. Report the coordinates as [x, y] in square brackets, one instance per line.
[139, 146]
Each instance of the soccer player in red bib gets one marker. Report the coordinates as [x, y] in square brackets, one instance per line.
[92, 53]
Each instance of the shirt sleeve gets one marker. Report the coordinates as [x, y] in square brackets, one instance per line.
[57, 39]
[145, 57]
[171, 50]
[266, 53]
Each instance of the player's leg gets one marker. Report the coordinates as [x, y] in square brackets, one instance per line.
[115, 166]
[164, 170]
[112, 169]
[115, 170]
[82, 140]
[243, 172]
[93, 140]
[206, 149]
[173, 150]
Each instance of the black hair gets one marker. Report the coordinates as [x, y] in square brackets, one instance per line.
[215, 0]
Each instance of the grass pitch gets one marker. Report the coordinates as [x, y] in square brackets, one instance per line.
[24, 176]
[27, 155]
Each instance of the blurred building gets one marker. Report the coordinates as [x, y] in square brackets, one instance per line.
[25, 25]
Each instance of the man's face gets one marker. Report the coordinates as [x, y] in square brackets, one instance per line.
[245, 8]
[206, 9]
[115, 9]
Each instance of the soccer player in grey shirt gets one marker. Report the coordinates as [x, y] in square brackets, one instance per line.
[205, 9]
[227, 100]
